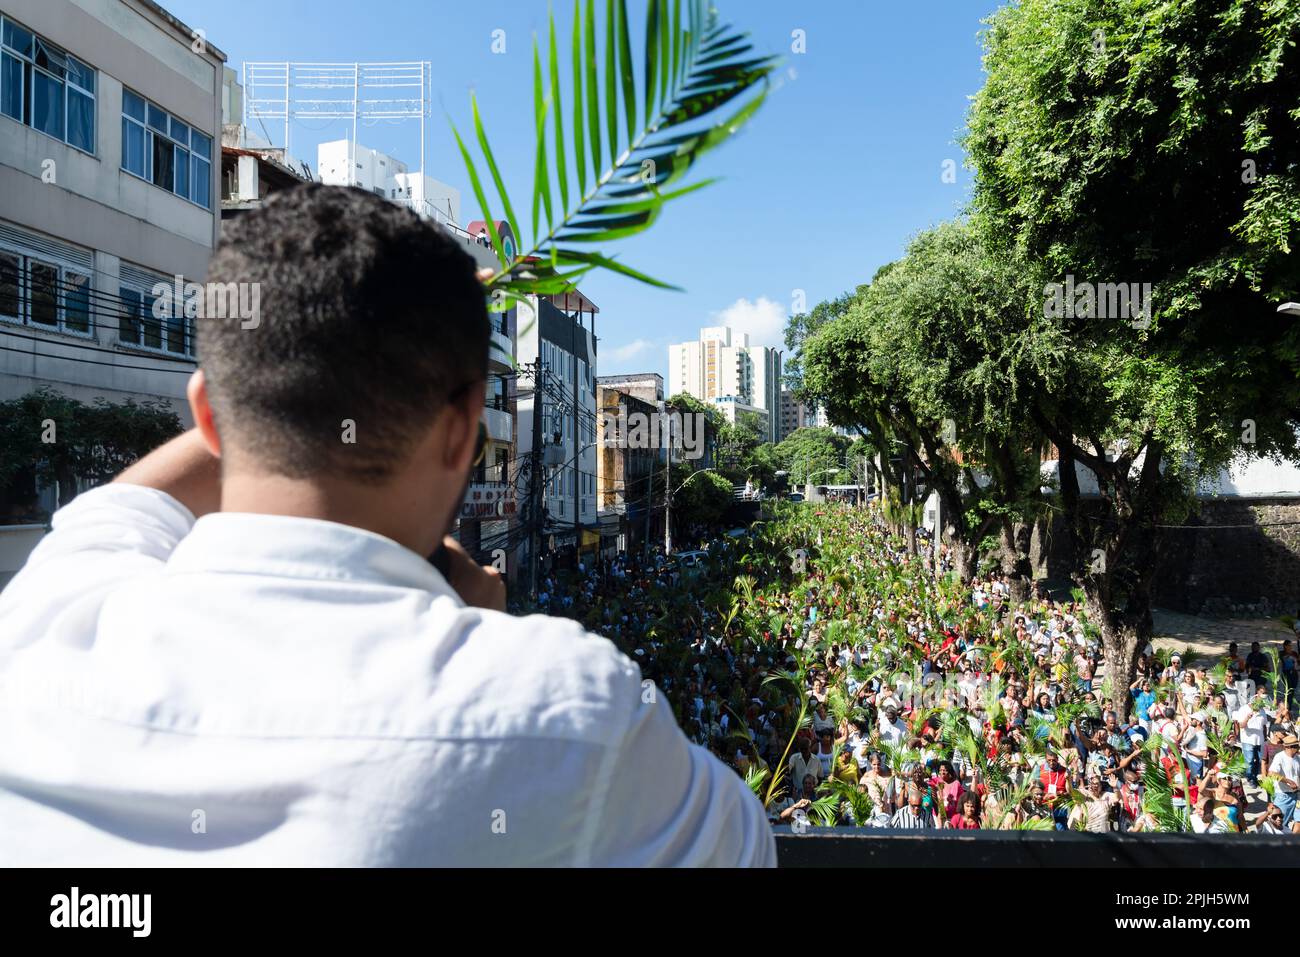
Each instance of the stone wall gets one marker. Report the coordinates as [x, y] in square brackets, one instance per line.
[1238, 556]
[1235, 557]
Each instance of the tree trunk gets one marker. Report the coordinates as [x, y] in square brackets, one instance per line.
[67, 485]
[1122, 642]
[1016, 564]
[964, 559]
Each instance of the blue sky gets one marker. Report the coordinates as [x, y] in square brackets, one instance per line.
[827, 183]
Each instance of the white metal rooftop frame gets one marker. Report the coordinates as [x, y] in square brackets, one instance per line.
[291, 91]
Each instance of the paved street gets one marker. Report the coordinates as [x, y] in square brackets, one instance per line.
[1210, 636]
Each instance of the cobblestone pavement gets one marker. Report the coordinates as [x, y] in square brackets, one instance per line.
[1210, 637]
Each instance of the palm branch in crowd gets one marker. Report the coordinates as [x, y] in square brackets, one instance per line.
[798, 680]
[1008, 797]
[1269, 786]
[1273, 678]
[1158, 792]
[623, 152]
[1033, 824]
[1230, 759]
[842, 801]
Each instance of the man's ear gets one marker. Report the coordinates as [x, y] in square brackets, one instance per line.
[197, 393]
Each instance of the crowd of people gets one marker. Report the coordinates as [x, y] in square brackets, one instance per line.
[851, 686]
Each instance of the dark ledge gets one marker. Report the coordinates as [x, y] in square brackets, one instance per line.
[867, 847]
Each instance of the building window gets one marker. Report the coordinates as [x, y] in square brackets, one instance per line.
[44, 87]
[142, 325]
[11, 286]
[43, 281]
[76, 302]
[45, 294]
[165, 151]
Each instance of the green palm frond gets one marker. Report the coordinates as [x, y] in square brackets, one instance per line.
[825, 811]
[1008, 798]
[850, 798]
[1033, 824]
[693, 68]
[839, 705]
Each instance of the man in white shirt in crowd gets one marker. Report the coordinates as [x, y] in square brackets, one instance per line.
[1252, 726]
[1163, 724]
[243, 629]
[892, 730]
[803, 763]
[1286, 768]
[1194, 744]
[1174, 673]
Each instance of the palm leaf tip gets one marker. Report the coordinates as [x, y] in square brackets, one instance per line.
[693, 67]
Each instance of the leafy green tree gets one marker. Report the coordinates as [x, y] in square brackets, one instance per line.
[954, 362]
[736, 446]
[1138, 142]
[714, 421]
[685, 402]
[48, 438]
[762, 465]
[806, 452]
[702, 500]
[801, 326]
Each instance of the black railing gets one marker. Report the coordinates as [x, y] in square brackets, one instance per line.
[879, 848]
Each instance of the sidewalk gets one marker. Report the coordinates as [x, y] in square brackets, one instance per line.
[1210, 637]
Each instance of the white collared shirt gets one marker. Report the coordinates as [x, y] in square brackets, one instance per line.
[1285, 766]
[266, 690]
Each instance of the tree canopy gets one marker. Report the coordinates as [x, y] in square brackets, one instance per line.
[47, 438]
[1112, 289]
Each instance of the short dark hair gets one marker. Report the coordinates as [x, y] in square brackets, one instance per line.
[367, 313]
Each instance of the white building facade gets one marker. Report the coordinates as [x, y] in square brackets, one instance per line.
[343, 163]
[723, 364]
[558, 333]
[110, 123]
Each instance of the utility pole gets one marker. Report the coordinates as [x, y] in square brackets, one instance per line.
[577, 441]
[938, 534]
[649, 508]
[535, 499]
[649, 505]
[668, 491]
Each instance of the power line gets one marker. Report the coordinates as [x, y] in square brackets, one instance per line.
[93, 362]
[92, 347]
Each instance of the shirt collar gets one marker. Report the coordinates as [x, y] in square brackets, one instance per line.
[290, 547]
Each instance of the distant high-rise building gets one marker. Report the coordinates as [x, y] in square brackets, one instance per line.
[795, 414]
[722, 365]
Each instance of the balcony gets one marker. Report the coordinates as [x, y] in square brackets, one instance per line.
[501, 351]
[427, 210]
[500, 425]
